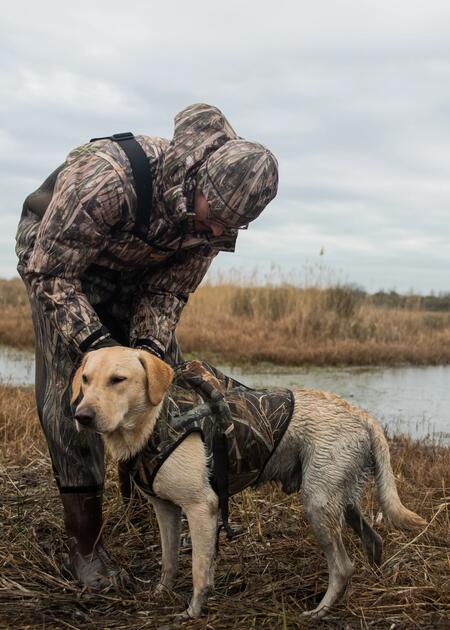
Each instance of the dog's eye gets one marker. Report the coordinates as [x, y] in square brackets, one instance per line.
[84, 378]
[117, 379]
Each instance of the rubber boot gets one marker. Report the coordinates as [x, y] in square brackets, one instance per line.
[88, 561]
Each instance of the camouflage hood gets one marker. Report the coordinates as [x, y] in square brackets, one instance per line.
[199, 131]
[237, 177]
[238, 180]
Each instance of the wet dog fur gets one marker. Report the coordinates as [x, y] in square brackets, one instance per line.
[328, 450]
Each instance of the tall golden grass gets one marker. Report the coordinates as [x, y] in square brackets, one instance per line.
[286, 324]
[265, 578]
[16, 327]
[239, 321]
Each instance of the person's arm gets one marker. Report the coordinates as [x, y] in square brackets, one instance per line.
[76, 226]
[162, 296]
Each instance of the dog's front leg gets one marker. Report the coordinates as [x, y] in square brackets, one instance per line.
[169, 521]
[202, 519]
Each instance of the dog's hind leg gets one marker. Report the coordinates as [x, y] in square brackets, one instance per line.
[202, 519]
[169, 521]
[324, 512]
[371, 541]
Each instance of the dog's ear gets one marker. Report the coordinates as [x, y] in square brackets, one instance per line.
[159, 376]
[76, 381]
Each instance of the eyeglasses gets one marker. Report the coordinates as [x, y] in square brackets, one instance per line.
[226, 225]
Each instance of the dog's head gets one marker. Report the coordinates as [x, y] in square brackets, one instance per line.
[116, 387]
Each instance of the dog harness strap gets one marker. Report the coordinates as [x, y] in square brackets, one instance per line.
[221, 472]
[143, 179]
[222, 416]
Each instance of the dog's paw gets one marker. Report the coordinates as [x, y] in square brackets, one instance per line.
[161, 591]
[195, 610]
[186, 615]
[177, 621]
[315, 614]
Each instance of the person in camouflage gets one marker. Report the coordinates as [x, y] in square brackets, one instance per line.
[93, 283]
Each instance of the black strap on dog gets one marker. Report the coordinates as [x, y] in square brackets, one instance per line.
[222, 417]
[143, 178]
[221, 411]
[221, 464]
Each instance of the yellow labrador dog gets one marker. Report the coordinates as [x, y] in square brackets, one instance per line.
[329, 444]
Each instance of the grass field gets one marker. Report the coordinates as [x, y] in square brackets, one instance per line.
[265, 577]
[238, 321]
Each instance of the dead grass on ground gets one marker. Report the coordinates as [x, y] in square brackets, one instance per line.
[266, 577]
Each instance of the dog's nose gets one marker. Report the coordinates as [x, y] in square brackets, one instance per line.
[85, 417]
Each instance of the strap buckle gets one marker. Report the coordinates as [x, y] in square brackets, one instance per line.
[118, 137]
[125, 135]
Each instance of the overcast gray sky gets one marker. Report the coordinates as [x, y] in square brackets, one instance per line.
[352, 96]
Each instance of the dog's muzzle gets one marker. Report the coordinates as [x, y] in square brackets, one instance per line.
[85, 417]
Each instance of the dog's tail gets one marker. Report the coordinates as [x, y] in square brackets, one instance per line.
[396, 513]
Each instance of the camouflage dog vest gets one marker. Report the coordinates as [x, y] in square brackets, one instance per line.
[240, 427]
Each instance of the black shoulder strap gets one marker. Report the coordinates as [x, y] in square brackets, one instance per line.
[143, 179]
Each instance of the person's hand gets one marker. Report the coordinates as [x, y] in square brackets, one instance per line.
[107, 342]
[152, 350]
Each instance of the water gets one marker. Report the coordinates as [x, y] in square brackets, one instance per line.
[16, 366]
[410, 400]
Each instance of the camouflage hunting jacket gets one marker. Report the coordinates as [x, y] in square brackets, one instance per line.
[83, 251]
[253, 423]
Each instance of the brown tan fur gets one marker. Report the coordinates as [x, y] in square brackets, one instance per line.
[329, 448]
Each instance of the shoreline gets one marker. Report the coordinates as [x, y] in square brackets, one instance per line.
[265, 365]
[261, 366]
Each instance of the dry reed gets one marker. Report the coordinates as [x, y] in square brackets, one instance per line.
[283, 324]
[266, 577]
[16, 327]
[297, 326]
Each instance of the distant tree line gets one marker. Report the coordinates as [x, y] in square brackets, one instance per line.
[392, 299]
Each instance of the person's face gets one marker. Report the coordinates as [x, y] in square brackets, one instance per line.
[202, 223]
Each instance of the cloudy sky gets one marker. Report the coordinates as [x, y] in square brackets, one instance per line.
[353, 96]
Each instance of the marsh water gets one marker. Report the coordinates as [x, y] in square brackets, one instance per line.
[408, 400]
